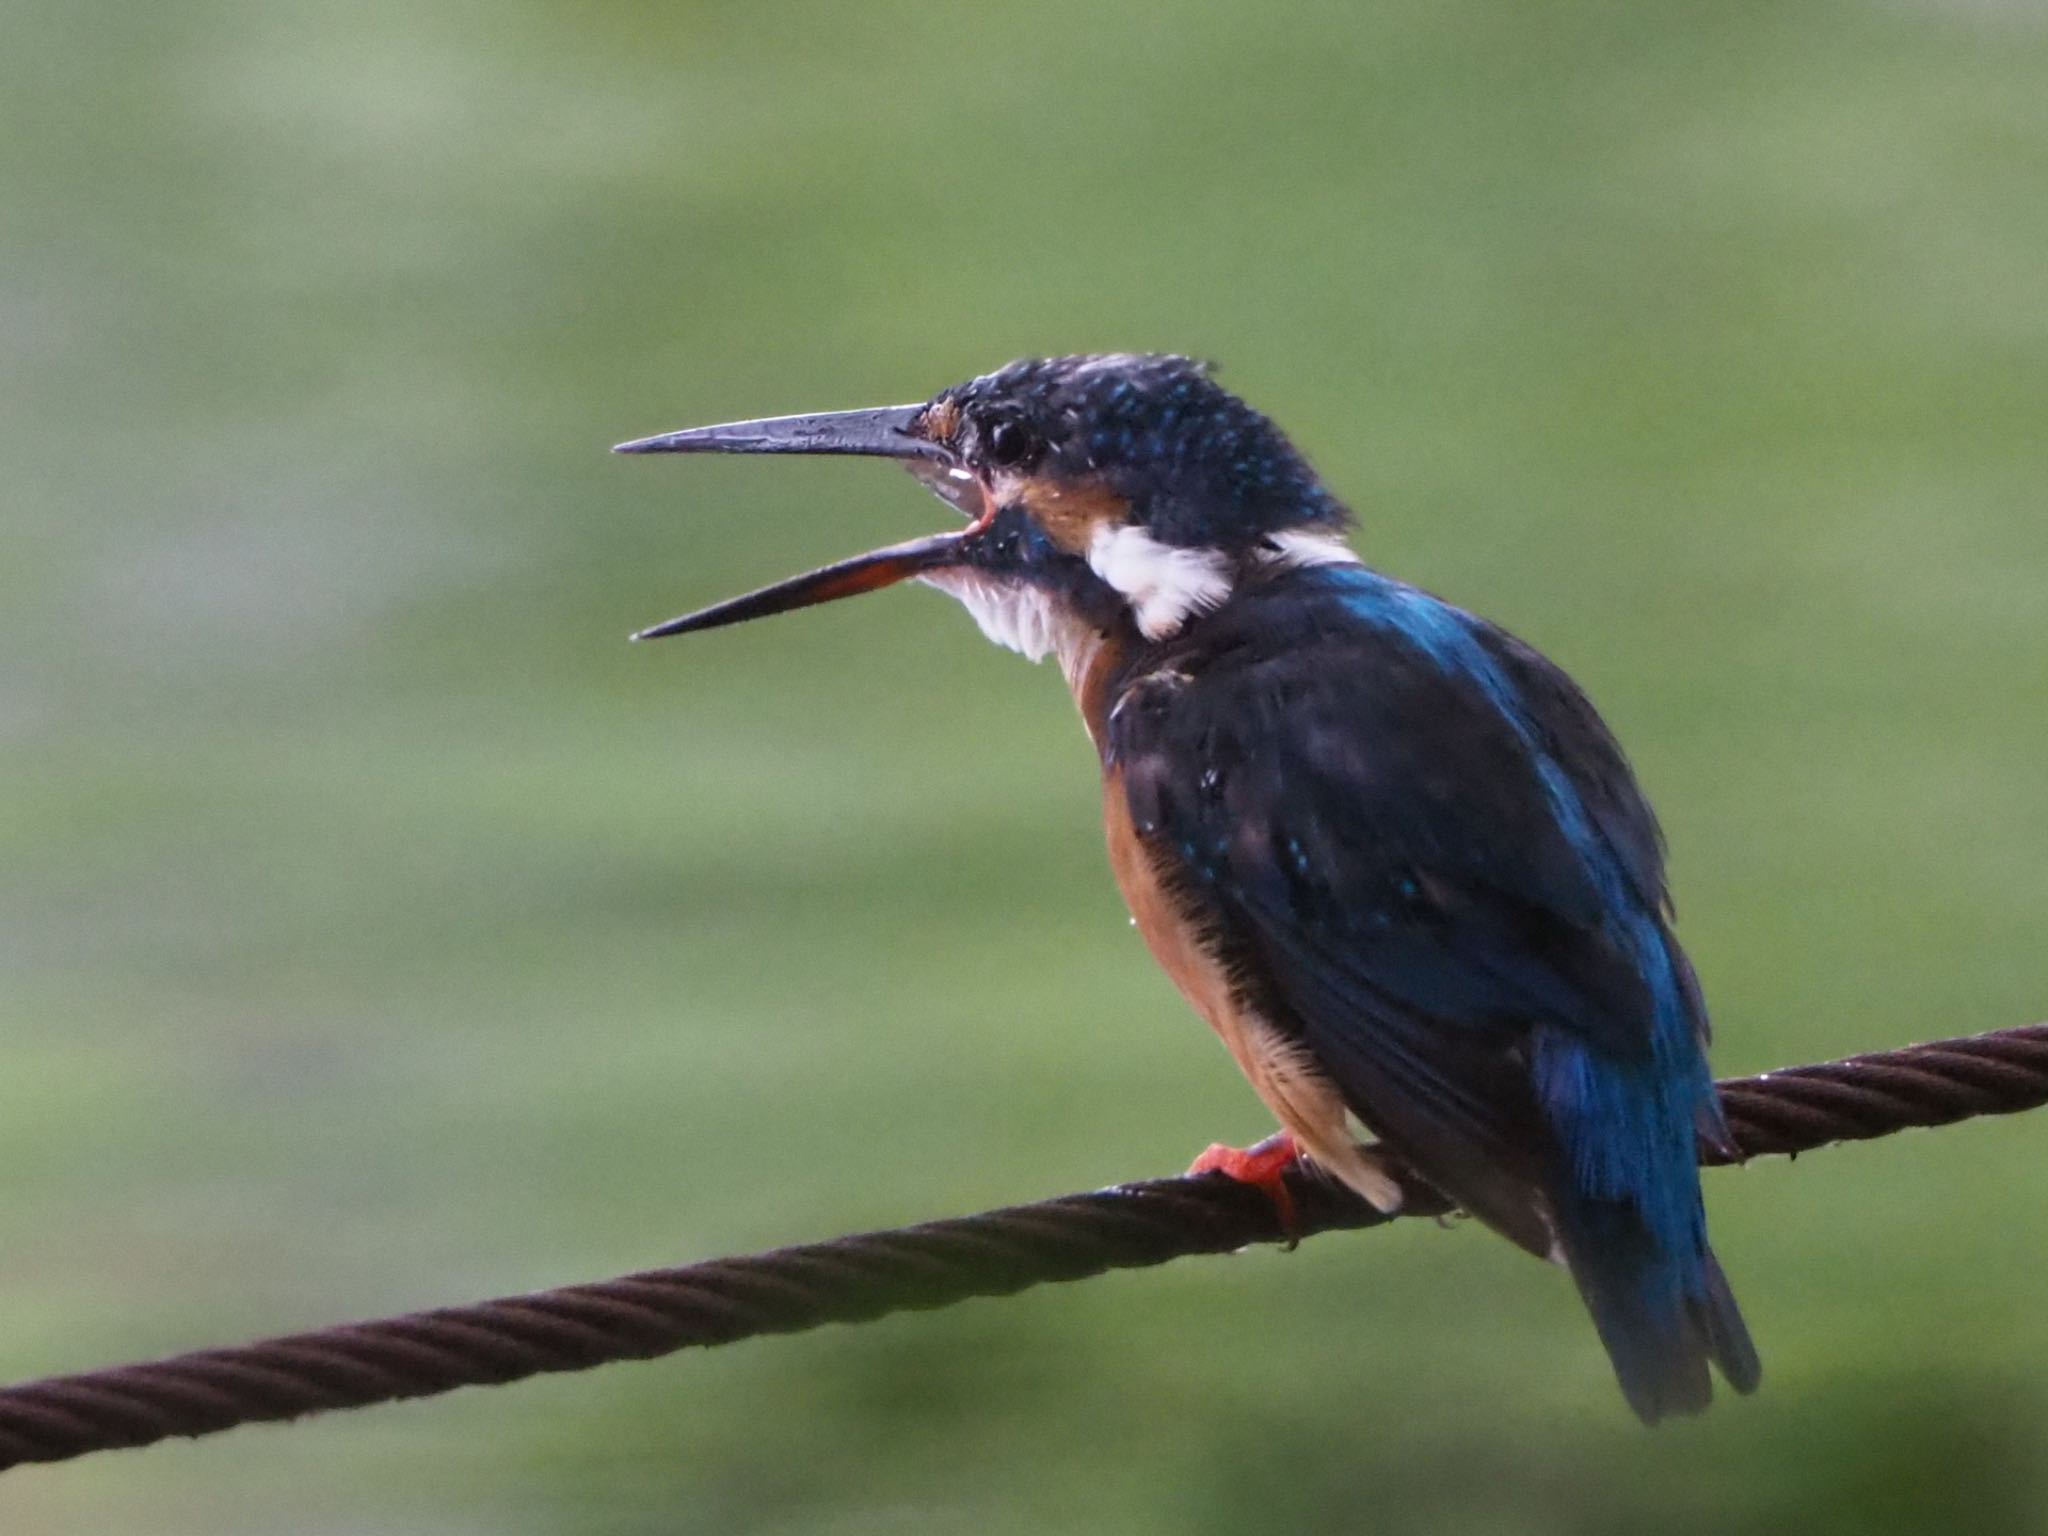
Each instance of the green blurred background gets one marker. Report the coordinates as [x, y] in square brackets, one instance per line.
[380, 930]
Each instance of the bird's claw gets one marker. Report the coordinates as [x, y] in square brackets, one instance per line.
[1265, 1166]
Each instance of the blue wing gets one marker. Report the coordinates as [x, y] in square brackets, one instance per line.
[1420, 850]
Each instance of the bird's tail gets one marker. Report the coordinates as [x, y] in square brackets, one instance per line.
[1662, 1315]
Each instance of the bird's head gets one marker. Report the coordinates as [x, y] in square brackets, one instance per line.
[1099, 491]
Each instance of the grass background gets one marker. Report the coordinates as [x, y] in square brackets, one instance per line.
[378, 930]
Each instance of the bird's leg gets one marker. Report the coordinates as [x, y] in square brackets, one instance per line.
[1264, 1165]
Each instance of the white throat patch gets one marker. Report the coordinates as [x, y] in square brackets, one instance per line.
[1014, 614]
[1166, 584]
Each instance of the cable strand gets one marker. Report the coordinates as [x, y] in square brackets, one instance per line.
[934, 1264]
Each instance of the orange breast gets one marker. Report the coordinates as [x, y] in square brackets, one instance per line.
[1301, 1097]
[1170, 935]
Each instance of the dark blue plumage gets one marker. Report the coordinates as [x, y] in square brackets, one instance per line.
[1390, 852]
[1417, 844]
[1154, 430]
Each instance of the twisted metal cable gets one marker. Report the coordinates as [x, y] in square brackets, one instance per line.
[853, 1279]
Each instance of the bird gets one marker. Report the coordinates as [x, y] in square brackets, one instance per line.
[1390, 853]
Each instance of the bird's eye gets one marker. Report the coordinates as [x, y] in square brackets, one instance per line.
[1009, 444]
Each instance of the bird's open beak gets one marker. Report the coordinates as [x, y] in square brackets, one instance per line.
[887, 432]
[849, 578]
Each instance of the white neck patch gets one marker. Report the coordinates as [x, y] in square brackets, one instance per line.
[1294, 548]
[1165, 584]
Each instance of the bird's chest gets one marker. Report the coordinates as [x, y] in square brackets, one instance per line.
[1170, 930]
[1280, 1070]
[1182, 935]
[1163, 918]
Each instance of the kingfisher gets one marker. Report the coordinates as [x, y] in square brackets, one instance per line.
[1389, 852]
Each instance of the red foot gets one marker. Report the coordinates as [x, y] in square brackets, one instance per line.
[1264, 1165]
